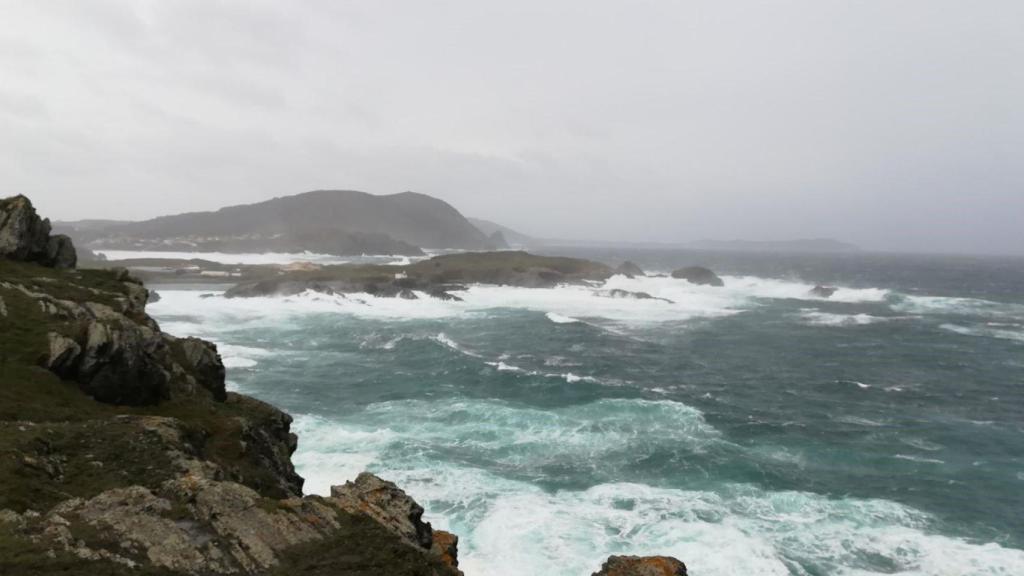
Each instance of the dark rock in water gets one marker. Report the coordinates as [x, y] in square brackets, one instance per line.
[823, 291]
[26, 237]
[444, 295]
[389, 505]
[629, 269]
[620, 293]
[154, 296]
[205, 296]
[698, 275]
[642, 566]
[407, 294]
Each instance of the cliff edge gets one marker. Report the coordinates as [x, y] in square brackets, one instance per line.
[122, 453]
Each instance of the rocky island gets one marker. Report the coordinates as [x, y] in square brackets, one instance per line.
[122, 453]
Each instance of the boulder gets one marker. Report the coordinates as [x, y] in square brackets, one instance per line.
[446, 547]
[642, 566]
[202, 360]
[630, 269]
[444, 295]
[26, 237]
[698, 275]
[823, 291]
[63, 355]
[60, 252]
[388, 505]
[407, 294]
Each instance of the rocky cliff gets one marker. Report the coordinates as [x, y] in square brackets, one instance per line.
[122, 453]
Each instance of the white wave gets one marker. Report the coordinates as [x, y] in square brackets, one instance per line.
[503, 367]
[559, 319]
[230, 362]
[858, 421]
[818, 318]
[249, 259]
[960, 306]
[794, 290]
[573, 378]
[562, 304]
[985, 331]
[920, 459]
[510, 527]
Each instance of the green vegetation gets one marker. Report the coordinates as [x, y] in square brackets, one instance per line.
[57, 442]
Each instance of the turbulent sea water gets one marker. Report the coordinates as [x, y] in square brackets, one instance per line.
[751, 429]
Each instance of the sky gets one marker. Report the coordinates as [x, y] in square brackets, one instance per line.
[895, 125]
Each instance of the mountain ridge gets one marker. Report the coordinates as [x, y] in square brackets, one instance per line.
[342, 222]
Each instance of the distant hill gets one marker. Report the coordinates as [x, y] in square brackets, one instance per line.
[801, 245]
[513, 238]
[342, 222]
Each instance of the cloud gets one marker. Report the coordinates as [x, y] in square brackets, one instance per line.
[892, 125]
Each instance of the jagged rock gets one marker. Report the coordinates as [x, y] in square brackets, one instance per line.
[154, 296]
[823, 291]
[63, 355]
[25, 236]
[191, 526]
[269, 442]
[120, 361]
[60, 252]
[408, 295]
[630, 269]
[3, 308]
[642, 566]
[388, 504]
[446, 547]
[444, 295]
[698, 275]
[202, 359]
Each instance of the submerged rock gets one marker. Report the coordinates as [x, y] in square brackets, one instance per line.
[698, 275]
[642, 566]
[823, 291]
[620, 293]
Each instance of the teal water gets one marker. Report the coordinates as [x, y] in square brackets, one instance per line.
[750, 429]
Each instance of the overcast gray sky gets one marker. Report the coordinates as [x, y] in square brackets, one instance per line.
[891, 124]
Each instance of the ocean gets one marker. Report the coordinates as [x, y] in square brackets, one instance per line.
[750, 429]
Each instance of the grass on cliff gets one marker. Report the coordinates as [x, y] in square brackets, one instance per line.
[56, 442]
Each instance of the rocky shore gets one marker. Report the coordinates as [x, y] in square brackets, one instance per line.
[439, 277]
[122, 453]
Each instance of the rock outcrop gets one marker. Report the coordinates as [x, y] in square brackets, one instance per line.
[698, 275]
[823, 291]
[122, 453]
[629, 269]
[26, 237]
[438, 276]
[642, 566]
[389, 505]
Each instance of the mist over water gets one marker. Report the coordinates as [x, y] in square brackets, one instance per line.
[749, 429]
